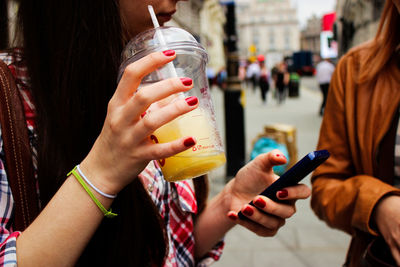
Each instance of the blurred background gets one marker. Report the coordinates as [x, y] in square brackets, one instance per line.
[291, 36]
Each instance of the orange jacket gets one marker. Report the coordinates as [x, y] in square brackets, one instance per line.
[358, 129]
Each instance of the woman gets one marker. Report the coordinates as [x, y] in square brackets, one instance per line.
[355, 189]
[281, 81]
[71, 51]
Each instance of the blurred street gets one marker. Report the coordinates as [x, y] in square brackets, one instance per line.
[304, 241]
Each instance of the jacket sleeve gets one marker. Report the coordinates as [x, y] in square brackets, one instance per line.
[341, 197]
[8, 252]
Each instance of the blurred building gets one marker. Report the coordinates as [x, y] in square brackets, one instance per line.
[204, 19]
[213, 19]
[310, 36]
[357, 21]
[268, 27]
[188, 17]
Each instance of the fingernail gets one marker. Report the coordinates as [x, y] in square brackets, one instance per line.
[260, 203]
[169, 53]
[187, 81]
[248, 211]
[189, 142]
[192, 100]
[142, 115]
[233, 217]
[278, 155]
[283, 193]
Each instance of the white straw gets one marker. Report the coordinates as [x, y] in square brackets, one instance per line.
[170, 66]
[153, 16]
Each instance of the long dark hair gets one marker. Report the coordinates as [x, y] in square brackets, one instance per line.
[73, 53]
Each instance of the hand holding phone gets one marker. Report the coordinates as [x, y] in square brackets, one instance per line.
[294, 175]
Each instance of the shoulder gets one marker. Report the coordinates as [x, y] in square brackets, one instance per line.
[353, 57]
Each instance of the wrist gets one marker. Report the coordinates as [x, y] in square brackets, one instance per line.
[382, 211]
[225, 200]
[87, 181]
[99, 177]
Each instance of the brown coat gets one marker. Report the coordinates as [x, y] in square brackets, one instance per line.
[359, 130]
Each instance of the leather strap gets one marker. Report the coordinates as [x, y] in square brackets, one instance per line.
[18, 155]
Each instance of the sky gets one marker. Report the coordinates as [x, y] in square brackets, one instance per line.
[305, 8]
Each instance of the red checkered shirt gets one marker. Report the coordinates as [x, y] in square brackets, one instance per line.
[176, 202]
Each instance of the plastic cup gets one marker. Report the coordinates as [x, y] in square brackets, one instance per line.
[191, 60]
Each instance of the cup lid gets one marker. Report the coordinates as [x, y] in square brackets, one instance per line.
[147, 42]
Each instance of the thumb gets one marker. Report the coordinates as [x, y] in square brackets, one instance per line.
[266, 161]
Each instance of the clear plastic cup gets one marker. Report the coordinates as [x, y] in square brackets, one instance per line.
[191, 60]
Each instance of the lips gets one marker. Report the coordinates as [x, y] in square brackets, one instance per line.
[164, 16]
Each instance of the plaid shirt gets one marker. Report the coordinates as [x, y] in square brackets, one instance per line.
[176, 202]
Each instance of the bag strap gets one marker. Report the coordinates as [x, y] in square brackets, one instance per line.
[18, 155]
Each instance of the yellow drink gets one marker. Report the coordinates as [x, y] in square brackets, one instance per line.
[206, 155]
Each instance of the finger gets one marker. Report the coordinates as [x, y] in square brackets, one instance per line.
[253, 226]
[136, 71]
[266, 220]
[165, 150]
[267, 161]
[395, 253]
[268, 206]
[154, 120]
[156, 92]
[299, 191]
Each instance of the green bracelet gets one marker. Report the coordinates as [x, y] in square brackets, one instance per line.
[107, 213]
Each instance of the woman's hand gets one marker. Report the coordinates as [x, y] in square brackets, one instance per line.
[123, 148]
[387, 218]
[249, 182]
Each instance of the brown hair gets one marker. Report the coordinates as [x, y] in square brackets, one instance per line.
[383, 47]
[72, 51]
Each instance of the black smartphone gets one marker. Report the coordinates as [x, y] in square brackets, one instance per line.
[294, 175]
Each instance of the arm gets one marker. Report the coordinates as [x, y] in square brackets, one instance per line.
[62, 230]
[220, 215]
[342, 197]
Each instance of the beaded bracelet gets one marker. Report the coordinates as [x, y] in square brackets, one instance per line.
[107, 213]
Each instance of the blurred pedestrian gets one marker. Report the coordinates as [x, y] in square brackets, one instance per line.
[210, 76]
[281, 81]
[221, 78]
[357, 189]
[324, 73]
[253, 74]
[264, 79]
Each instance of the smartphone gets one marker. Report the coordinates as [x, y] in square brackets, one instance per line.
[294, 175]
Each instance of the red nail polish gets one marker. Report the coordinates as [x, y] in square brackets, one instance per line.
[142, 115]
[233, 217]
[260, 203]
[278, 155]
[189, 142]
[248, 211]
[192, 100]
[169, 53]
[186, 81]
[283, 193]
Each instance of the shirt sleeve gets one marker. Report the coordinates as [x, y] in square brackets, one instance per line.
[212, 256]
[8, 253]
